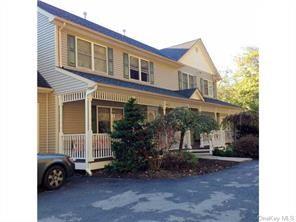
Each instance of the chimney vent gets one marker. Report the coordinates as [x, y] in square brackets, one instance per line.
[84, 15]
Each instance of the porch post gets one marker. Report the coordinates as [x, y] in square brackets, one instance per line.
[61, 134]
[88, 130]
[164, 108]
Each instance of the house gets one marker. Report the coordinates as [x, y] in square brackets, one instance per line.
[87, 72]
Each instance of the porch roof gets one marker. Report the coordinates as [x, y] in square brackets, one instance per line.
[184, 94]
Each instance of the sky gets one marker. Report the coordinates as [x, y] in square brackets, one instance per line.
[225, 27]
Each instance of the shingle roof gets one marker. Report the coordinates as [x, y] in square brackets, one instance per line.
[98, 28]
[41, 82]
[219, 102]
[177, 51]
[173, 53]
[184, 94]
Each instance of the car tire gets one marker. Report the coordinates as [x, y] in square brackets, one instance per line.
[54, 177]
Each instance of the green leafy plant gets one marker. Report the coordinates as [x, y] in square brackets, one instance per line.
[183, 119]
[131, 140]
[225, 152]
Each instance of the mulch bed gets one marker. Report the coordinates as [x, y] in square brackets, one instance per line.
[204, 166]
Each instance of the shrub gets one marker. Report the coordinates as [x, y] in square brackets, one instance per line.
[243, 123]
[131, 140]
[226, 152]
[179, 161]
[247, 146]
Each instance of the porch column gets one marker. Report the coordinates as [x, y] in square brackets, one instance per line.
[164, 108]
[61, 134]
[188, 139]
[88, 130]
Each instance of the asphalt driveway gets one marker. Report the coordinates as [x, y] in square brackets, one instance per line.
[228, 195]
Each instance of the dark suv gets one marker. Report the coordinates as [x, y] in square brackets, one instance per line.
[54, 169]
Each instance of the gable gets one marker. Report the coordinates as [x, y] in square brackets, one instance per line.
[197, 58]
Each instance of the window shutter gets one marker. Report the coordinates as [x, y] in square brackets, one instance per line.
[110, 61]
[201, 85]
[151, 74]
[71, 50]
[194, 82]
[125, 66]
[180, 80]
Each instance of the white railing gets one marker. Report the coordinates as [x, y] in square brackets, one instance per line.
[217, 138]
[101, 146]
[74, 145]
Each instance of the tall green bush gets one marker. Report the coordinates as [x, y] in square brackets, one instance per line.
[131, 140]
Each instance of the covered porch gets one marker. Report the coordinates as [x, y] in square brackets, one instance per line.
[86, 119]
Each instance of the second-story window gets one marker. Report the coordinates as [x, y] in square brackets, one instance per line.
[134, 68]
[144, 70]
[84, 54]
[100, 58]
[185, 81]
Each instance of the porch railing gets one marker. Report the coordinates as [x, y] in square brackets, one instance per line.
[217, 138]
[74, 145]
[101, 146]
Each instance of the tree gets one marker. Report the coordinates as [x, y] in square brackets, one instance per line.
[183, 119]
[242, 86]
[131, 140]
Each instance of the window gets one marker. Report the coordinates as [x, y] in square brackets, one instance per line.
[134, 68]
[71, 50]
[206, 87]
[210, 89]
[84, 53]
[144, 70]
[191, 82]
[106, 116]
[104, 120]
[185, 81]
[100, 58]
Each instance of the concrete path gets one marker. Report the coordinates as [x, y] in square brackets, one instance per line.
[230, 195]
[234, 159]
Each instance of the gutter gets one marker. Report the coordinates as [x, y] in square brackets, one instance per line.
[87, 124]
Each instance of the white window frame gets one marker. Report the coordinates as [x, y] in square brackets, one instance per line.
[110, 113]
[140, 68]
[92, 55]
[187, 79]
[210, 92]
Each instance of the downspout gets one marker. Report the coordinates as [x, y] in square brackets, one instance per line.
[60, 43]
[87, 125]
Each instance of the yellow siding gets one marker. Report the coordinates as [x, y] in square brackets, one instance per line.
[73, 117]
[165, 76]
[47, 136]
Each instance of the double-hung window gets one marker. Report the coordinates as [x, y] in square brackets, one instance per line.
[100, 58]
[186, 81]
[206, 87]
[84, 55]
[134, 68]
[139, 69]
[144, 70]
